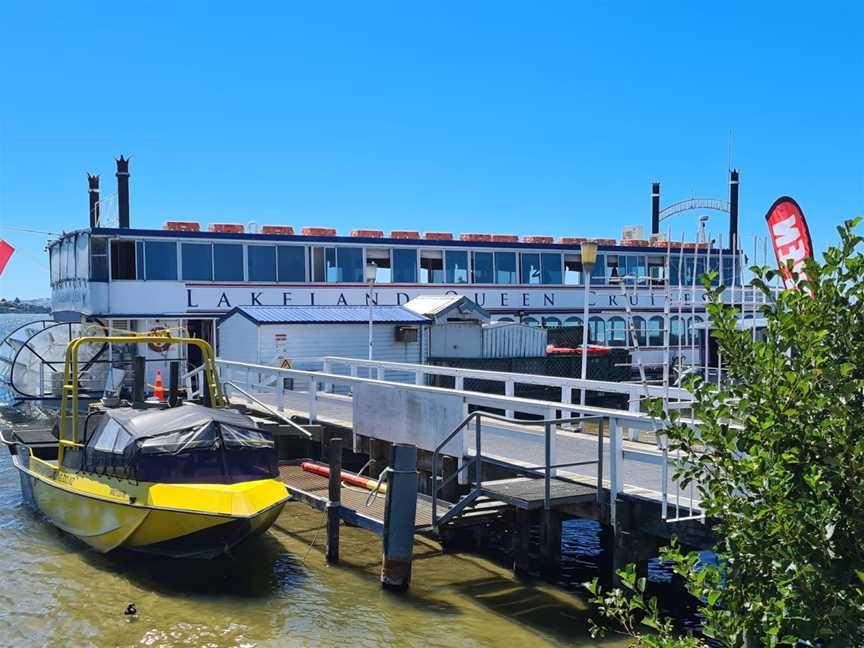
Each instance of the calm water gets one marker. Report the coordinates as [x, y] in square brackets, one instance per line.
[275, 591]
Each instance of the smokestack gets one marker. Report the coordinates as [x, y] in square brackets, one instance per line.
[655, 208]
[93, 182]
[123, 192]
[733, 208]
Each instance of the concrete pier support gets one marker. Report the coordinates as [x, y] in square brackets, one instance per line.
[399, 517]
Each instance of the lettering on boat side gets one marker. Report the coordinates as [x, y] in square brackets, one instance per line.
[568, 299]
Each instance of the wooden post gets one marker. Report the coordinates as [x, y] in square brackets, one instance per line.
[399, 517]
[550, 545]
[334, 504]
[521, 541]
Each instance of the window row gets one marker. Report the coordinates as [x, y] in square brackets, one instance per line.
[235, 262]
[683, 331]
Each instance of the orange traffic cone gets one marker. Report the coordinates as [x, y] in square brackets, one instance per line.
[158, 388]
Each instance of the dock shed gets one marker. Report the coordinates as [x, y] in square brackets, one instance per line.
[460, 328]
[300, 334]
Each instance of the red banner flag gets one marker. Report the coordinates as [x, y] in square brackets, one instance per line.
[6, 252]
[790, 236]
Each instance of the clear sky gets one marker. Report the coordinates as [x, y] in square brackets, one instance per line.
[512, 117]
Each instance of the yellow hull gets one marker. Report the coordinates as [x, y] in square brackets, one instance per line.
[180, 520]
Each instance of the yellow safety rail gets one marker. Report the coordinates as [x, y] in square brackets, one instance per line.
[70, 379]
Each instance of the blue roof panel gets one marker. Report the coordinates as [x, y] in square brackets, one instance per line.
[327, 314]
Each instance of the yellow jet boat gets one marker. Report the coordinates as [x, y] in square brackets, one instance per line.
[190, 481]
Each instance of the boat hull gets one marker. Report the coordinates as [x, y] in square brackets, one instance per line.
[111, 520]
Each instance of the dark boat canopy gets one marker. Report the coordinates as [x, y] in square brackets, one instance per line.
[147, 423]
[185, 444]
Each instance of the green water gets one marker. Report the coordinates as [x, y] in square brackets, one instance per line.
[275, 591]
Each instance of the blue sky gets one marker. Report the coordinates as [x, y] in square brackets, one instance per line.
[527, 118]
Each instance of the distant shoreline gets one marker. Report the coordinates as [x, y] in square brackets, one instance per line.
[11, 308]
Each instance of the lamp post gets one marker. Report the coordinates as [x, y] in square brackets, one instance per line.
[369, 273]
[589, 260]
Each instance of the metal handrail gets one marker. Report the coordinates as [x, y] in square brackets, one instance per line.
[477, 416]
[264, 405]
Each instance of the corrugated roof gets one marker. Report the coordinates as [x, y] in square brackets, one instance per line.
[327, 314]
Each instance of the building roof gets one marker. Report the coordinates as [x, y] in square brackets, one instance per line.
[327, 315]
[437, 306]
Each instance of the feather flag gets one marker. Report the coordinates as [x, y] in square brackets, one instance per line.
[790, 236]
[6, 252]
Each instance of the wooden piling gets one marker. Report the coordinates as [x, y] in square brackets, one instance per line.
[521, 542]
[550, 544]
[399, 517]
[334, 500]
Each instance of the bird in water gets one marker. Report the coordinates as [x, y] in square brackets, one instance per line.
[131, 610]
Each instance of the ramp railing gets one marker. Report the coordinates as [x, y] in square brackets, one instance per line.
[303, 393]
[547, 469]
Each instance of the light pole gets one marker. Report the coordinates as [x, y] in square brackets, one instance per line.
[589, 259]
[369, 273]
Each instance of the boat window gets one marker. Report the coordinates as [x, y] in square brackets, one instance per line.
[457, 266]
[530, 268]
[714, 266]
[261, 262]
[227, 262]
[551, 265]
[82, 256]
[292, 262]
[161, 260]
[431, 266]
[505, 319]
[98, 260]
[655, 331]
[598, 274]
[657, 269]
[728, 270]
[695, 331]
[405, 265]
[637, 269]
[597, 330]
[572, 269]
[675, 275]
[530, 321]
[573, 321]
[337, 265]
[139, 259]
[107, 439]
[381, 258]
[639, 325]
[613, 272]
[676, 331]
[482, 266]
[67, 258]
[617, 331]
[123, 264]
[197, 261]
[505, 268]
[551, 322]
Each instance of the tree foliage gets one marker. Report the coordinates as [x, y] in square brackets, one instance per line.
[778, 459]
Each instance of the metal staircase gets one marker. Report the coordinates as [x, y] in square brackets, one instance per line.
[537, 485]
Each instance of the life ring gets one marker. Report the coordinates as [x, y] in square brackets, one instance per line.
[160, 347]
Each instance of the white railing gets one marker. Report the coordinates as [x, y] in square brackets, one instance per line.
[674, 397]
[269, 384]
